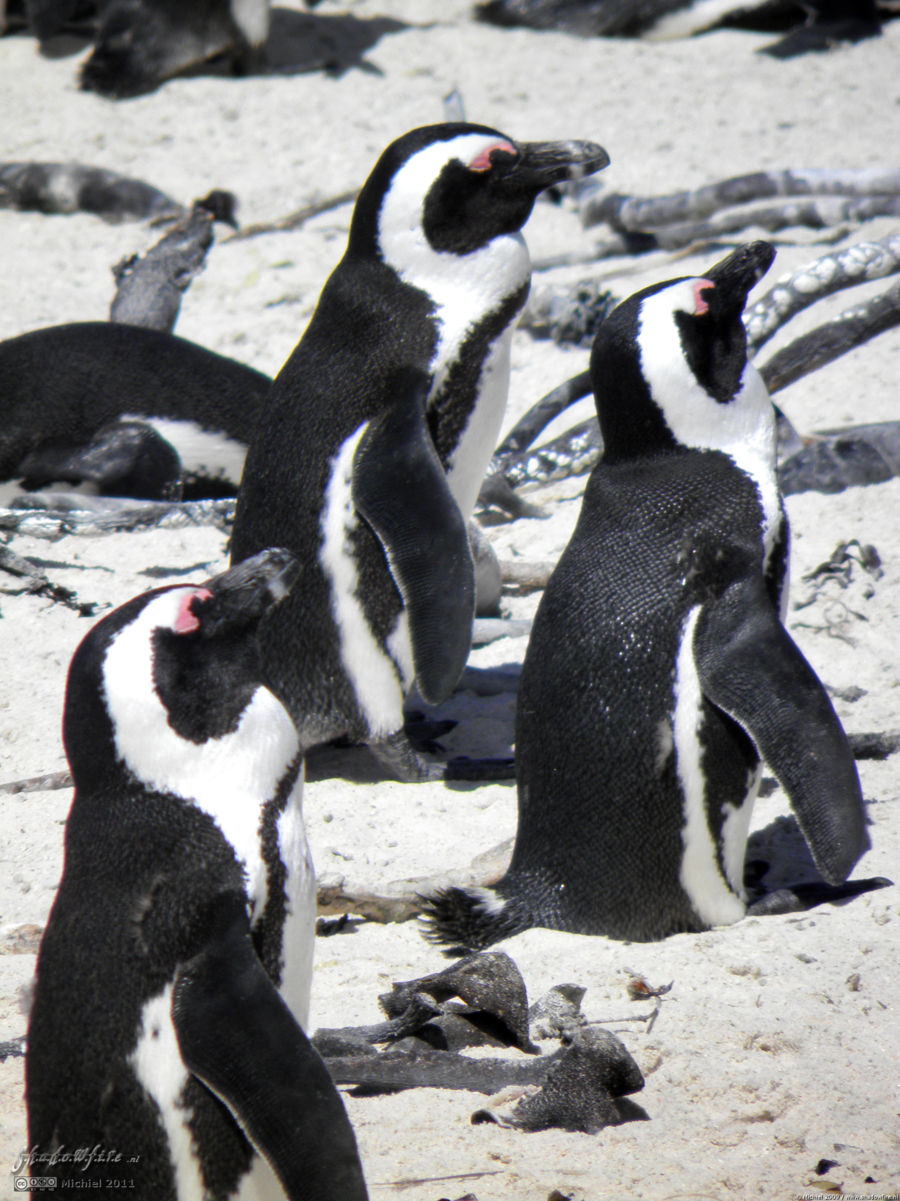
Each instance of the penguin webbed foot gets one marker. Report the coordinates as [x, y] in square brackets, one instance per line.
[499, 501]
[402, 761]
[798, 898]
[423, 732]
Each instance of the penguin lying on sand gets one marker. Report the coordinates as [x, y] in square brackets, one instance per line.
[141, 43]
[173, 976]
[812, 24]
[381, 424]
[658, 672]
[76, 398]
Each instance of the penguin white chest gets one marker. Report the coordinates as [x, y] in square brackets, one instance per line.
[469, 460]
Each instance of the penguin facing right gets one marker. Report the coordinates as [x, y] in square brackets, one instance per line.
[166, 1052]
[379, 428]
[658, 672]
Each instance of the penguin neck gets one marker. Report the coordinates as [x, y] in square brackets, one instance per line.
[475, 298]
[742, 428]
[463, 288]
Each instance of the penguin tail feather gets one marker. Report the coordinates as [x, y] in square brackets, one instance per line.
[470, 919]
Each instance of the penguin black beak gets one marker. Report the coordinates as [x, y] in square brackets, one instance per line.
[736, 274]
[244, 593]
[542, 164]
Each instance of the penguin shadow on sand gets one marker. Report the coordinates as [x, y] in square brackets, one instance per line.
[299, 42]
[470, 736]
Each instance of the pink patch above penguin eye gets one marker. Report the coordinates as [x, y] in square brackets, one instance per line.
[482, 161]
[700, 304]
[186, 621]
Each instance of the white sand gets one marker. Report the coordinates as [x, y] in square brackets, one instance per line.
[778, 1044]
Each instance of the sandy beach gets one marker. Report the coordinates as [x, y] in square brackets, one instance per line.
[778, 1047]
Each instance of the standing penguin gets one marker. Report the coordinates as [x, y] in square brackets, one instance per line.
[166, 1043]
[658, 670]
[381, 424]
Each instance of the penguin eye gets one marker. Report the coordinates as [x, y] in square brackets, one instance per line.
[186, 620]
[485, 160]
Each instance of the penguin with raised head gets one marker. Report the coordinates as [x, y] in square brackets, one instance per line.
[658, 672]
[173, 976]
[381, 424]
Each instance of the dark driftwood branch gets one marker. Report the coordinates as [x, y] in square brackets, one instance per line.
[400, 900]
[34, 580]
[47, 783]
[635, 213]
[814, 213]
[149, 287]
[830, 273]
[539, 416]
[576, 451]
[829, 341]
[297, 218]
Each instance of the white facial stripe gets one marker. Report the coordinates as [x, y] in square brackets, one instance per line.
[231, 777]
[208, 453]
[374, 675]
[157, 1064]
[744, 429]
[464, 287]
[298, 934]
[700, 876]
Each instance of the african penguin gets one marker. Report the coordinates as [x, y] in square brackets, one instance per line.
[141, 43]
[62, 385]
[658, 672]
[173, 976]
[381, 424]
[811, 24]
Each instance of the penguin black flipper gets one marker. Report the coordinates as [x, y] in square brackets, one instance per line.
[750, 667]
[237, 1035]
[401, 489]
[124, 458]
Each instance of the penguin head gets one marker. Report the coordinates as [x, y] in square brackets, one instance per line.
[669, 365]
[171, 671]
[453, 188]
